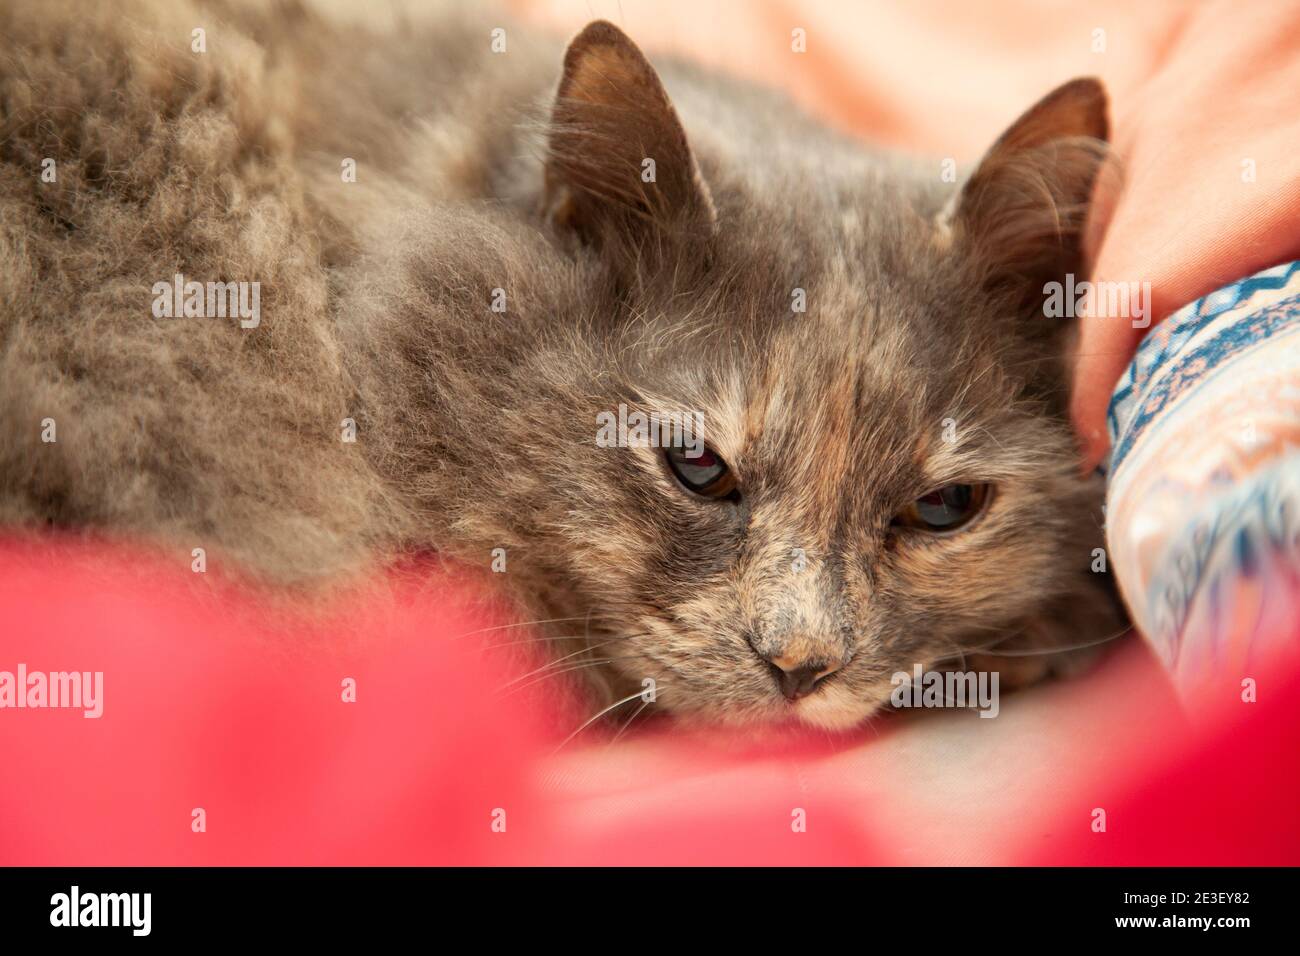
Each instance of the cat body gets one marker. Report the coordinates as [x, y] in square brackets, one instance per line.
[525, 240]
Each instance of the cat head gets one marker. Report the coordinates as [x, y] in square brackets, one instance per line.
[822, 432]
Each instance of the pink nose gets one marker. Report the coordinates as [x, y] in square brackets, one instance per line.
[798, 678]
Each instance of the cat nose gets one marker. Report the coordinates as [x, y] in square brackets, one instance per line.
[799, 678]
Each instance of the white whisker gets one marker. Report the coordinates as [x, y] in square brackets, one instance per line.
[506, 690]
[550, 664]
[595, 717]
[504, 627]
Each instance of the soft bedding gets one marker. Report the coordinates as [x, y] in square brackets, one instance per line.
[375, 732]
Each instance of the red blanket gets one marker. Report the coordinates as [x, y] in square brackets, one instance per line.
[231, 732]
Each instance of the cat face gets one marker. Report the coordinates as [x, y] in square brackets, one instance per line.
[885, 475]
[869, 497]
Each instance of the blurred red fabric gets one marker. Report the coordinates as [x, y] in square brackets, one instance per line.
[213, 699]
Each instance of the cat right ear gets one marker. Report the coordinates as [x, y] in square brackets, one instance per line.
[619, 171]
[1021, 215]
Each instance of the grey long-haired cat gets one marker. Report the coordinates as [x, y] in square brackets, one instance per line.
[470, 265]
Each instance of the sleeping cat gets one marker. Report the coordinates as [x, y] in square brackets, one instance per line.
[470, 250]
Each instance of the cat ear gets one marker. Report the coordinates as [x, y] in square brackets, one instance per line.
[1021, 215]
[619, 171]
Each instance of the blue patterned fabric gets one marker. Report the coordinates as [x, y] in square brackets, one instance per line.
[1203, 493]
[1127, 416]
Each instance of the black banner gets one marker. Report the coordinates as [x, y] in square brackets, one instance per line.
[115, 905]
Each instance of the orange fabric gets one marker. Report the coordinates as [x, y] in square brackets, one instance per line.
[1197, 89]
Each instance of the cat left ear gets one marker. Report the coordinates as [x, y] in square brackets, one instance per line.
[619, 170]
[1021, 215]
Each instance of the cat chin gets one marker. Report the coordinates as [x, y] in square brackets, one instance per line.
[823, 712]
[831, 711]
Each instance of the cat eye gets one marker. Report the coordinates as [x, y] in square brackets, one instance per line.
[945, 509]
[705, 474]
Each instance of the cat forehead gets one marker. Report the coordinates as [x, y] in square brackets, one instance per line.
[852, 367]
[861, 414]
